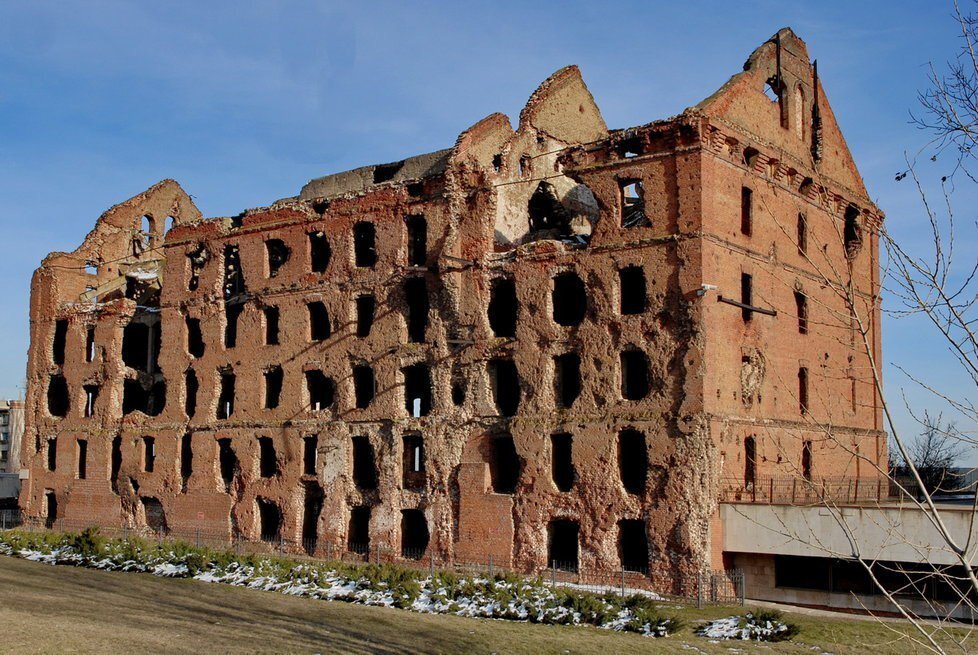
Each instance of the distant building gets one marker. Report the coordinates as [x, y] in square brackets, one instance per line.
[11, 433]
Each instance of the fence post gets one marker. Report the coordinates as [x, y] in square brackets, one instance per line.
[431, 565]
[490, 566]
[62, 524]
[699, 590]
[553, 573]
[377, 551]
[4, 520]
[623, 581]
[198, 537]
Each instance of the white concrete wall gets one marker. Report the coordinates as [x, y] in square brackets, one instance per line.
[895, 533]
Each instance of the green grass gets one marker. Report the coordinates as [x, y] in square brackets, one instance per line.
[48, 609]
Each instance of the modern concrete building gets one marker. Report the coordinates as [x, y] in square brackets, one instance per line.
[11, 436]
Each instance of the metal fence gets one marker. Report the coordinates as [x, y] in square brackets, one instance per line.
[804, 491]
[706, 587]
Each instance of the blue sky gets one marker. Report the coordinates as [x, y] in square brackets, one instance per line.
[243, 102]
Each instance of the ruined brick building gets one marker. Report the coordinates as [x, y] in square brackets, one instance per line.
[559, 342]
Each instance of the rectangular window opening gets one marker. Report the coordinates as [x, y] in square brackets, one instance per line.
[364, 244]
[90, 344]
[801, 306]
[416, 302]
[58, 342]
[319, 327]
[632, 291]
[186, 459]
[569, 299]
[562, 544]
[273, 386]
[271, 325]
[802, 234]
[82, 458]
[277, 253]
[225, 401]
[635, 376]
[149, 454]
[269, 519]
[310, 453]
[633, 204]
[364, 467]
[503, 307]
[195, 337]
[366, 306]
[562, 461]
[358, 533]
[417, 390]
[567, 379]
[321, 390]
[227, 462]
[58, 399]
[363, 385]
[412, 462]
[231, 315]
[267, 462]
[414, 534]
[746, 295]
[417, 229]
[803, 390]
[115, 463]
[505, 384]
[633, 545]
[633, 460]
[319, 252]
[52, 452]
[505, 464]
[746, 211]
[191, 385]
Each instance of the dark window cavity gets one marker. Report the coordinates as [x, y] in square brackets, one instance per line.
[90, 344]
[91, 395]
[803, 390]
[149, 454]
[141, 345]
[186, 459]
[195, 338]
[319, 252]
[546, 212]
[234, 282]
[231, 315]
[154, 514]
[417, 234]
[635, 378]
[802, 234]
[417, 390]
[273, 386]
[416, 303]
[505, 383]
[225, 401]
[746, 296]
[364, 244]
[633, 460]
[58, 342]
[116, 463]
[366, 306]
[569, 299]
[271, 325]
[52, 454]
[633, 204]
[138, 397]
[414, 533]
[227, 461]
[58, 396]
[746, 211]
[358, 533]
[633, 545]
[270, 519]
[801, 307]
[806, 460]
[192, 386]
[503, 307]
[852, 232]
[363, 385]
[750, 462]
[267, 463]
[505, 465]
[312, 506]
[310, 452]
[631, 290]
[319, 328]
[82, 458]
[322, 391]
[567, 379]
[364, 468]
[562, 461]
[278, 253]
[386, 172]
[562, 544]
[412, 462]
[50, 508]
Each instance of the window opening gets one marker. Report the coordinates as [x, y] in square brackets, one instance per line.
[277, 253]
[91, 395]
[58, 344]
[321, 390]
[562, 544]
[505, 465]
[803, 390]
[632, 291]
[546, 212]
[58, 404]
[228, 462]
[416, 298]
[632, 194]
[52, 452]
[417, 233]
[192, 386]
[149, 454]
[750, 462]
[633, 545]
[852, 232]
[231, 315]
[746, 211]
[271, 325]
[312, 507]
[505, 382]
[267, 463]
[234, 283]
[186, 459]
[635, 378]
[319, 252]
[746, 296]
[115, 463]
[802, 234]
[412, 462]
[141, 344]
[364, 467]
[364, 244]
[386, 172]
[225, 401]
[154, 515]
[310, 452]
[197, 258]
[195, 337]
[82, 458]
[633, 460]
[567, 378]
[90, 344]
[414, 533]
[363, 385]
[319, 328]
[50, 508]
[358, 533]
[417, 390]
[503, 307]
[806, 460]
[270, 520]
[801, 306]
[366, 305]
[569, 299]
[562, 461]
[273, 386]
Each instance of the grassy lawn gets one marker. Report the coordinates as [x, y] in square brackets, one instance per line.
[56, 609]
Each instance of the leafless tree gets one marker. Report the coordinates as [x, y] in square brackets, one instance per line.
[935, 453]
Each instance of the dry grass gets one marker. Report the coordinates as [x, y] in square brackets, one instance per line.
[47, 609]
